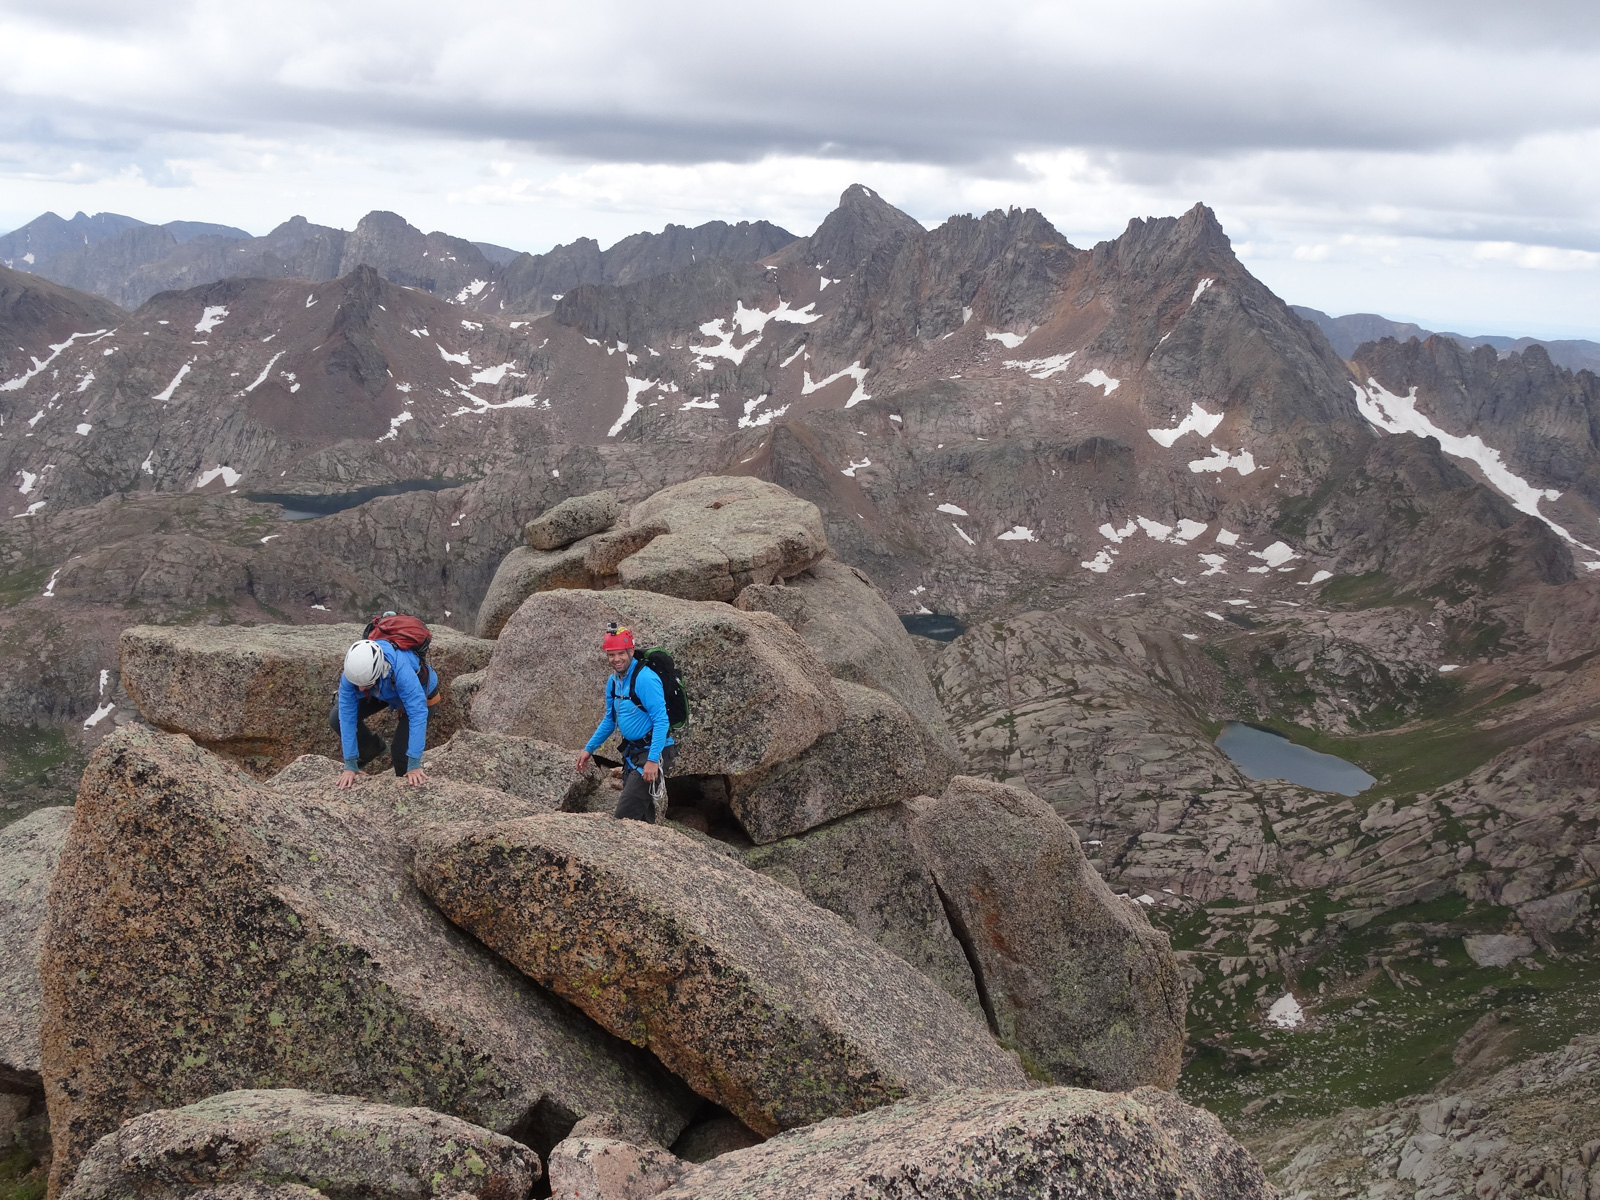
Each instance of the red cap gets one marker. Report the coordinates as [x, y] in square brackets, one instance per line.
[619, 639]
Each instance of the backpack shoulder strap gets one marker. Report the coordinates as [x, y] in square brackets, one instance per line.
[633, 684]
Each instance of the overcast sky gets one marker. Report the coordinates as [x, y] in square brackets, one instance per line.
[1431, 160]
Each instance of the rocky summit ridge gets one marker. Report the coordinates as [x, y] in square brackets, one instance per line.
[244, 976]
[1158, 498]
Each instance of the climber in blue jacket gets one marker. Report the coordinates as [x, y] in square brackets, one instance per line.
[647, 748]
[378, 675]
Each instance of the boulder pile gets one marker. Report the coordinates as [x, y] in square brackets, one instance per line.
[834, 940]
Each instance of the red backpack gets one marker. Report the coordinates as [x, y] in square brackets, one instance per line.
[401, 632]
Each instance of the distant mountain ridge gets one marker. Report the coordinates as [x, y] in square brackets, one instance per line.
[128, 261]
[1355, 329]
[47, 236]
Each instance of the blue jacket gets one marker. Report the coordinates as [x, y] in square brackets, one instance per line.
[400, 688]
[624, 716]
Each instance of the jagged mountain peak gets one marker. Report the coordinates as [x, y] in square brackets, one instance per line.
[1146, 244]
[861, 223]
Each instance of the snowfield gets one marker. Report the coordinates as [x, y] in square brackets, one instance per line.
[1398, 414]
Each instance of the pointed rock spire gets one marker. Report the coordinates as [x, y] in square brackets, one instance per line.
[863, 221]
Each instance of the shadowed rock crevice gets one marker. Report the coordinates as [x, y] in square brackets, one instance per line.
[963, 937]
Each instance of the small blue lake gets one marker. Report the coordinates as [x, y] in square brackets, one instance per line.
[1263, 754]
[938, 626]
[299, 506]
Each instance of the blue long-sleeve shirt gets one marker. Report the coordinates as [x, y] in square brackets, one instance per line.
[400, 688]
[626, 717]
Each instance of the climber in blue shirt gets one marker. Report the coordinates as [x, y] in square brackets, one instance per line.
[647, 748]
[378, 675]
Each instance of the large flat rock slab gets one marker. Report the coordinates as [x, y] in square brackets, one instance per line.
[879, 755]
[764, 1003]
[209, 933]
[341, 1146]
[758, 695]
[866, 869]
[1077, 979]
[1054, 1142]
[29, 851]
[261, 694]
[575, 517]
[537, 772]
[725, 533]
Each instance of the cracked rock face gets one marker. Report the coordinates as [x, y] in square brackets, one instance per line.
[210, 932]
[879, 755]
[266, 1140]
[849, 624]
[1076, 979]
[766, 1004]
[865, 868]
[29, 851]
[1140, 1145]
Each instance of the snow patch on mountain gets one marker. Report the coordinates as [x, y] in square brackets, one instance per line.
[211, 318]
[1112, 534]
[855, 466]
[1198, 421]
[1018, 533]
[464, 359]
[229, 477]
[1098, 378]
[1220, 460]
[165, 393]
[953, 510]
[855, 371]
[394, 426]
[636, 388]
[1041, 368]
[265, 371]
[1099, 564]
[753, 419]
[472, 289]
[1009, 340]
[1275, 555]
[1398, 414]
[743, 323]
[12, 385]
[493, 375]
[1200, 289]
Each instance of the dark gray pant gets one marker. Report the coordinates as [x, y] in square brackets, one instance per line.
[635, 803]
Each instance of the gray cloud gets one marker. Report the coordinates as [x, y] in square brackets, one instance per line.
[1362, 135]
[651, 83]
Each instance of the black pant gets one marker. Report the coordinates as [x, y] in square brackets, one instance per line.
[368, 744]
[635, 803]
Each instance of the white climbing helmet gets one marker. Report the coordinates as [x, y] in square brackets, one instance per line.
[364, 664]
